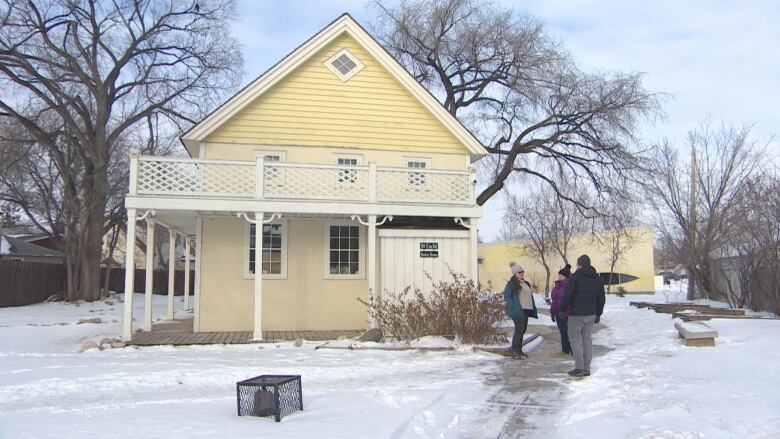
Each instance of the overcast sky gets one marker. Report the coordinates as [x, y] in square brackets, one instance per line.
[717, 60]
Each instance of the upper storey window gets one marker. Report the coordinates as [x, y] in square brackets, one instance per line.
[344, 64]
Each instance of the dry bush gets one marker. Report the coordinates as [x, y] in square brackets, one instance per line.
[455, 308]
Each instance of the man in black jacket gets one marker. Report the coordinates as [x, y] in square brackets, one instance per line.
[584, 295]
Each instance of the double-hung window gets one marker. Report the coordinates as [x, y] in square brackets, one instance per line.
[343, 250]
[273, 249]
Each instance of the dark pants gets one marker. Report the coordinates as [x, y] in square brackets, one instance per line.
[517, 338]
[563, 328]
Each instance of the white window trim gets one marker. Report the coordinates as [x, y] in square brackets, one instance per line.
[264, 152]
[428, 165]
[344, 78]
[344, 155]
[408, 159]
[246, 274]
[358, 157]
[279, 180]
[361, 274]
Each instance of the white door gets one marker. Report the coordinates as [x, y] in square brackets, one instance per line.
[407, 255]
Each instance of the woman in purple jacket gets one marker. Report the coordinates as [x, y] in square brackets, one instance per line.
[558, 315]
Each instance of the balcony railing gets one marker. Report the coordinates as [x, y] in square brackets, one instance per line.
[262, 179]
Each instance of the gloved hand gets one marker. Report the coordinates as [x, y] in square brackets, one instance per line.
[598, 319]
[552, 316]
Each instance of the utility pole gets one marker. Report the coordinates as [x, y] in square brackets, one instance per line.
[692, 233]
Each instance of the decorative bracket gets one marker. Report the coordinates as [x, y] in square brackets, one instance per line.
[146, 214]
[366, 223]
[459, 220]
[251, 221]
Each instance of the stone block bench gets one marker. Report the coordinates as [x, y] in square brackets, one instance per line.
[696, 333]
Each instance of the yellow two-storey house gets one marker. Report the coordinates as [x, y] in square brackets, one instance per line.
[333, 176]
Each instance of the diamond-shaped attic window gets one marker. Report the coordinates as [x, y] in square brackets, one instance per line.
[344, 64]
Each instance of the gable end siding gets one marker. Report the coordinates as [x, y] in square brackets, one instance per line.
[312, 106]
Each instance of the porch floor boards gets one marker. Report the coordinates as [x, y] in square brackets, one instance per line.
[183, 337]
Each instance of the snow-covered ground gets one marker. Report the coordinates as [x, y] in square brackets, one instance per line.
[647, 386]
[651, 386]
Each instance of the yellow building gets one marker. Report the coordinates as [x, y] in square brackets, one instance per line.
[335, 172]
[634, 272]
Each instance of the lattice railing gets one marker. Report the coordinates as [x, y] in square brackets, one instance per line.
[165, 176]
[315, 182]
[236, 179]
[417, 185]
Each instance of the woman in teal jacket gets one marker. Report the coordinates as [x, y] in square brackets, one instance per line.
[519, 301]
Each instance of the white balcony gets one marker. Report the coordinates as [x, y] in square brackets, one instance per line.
[261, 180]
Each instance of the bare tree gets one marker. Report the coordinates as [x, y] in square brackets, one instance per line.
[527, 221]
[567, 219]
[727, 158]
[616, 234]
[87, 76]
[748, 268]
[520, 92]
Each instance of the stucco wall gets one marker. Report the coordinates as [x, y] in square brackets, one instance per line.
[637, 262]
[303, 301]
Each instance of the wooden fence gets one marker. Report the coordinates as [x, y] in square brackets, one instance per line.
[116, 281]
[25, 283]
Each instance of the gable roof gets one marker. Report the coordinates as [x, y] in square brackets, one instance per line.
[344, 24]
[18, 247]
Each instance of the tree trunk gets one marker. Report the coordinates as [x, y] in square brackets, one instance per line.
[91, 251]
[110, 260]
[691, 286]
[72, 272]
[547, 282]
[84, 242]
[611, 273]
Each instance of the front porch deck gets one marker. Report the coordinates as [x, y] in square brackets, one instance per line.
[179, 333]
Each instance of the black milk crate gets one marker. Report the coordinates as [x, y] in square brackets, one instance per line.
[269, 395]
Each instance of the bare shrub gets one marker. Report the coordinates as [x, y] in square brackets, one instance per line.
[454, 308]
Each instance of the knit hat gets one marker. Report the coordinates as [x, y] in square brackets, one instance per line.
[516, 268]
[565, 271]
[583, 261]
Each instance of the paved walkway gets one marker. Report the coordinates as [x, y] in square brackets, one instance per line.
[535, 387]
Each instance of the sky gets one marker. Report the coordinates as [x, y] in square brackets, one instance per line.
[714, 60]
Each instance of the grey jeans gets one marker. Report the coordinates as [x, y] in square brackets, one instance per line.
[580, 328]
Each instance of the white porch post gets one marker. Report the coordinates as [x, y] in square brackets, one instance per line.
[372, 272]
[258, 329]
[187, 249]
[198, 257]
[473, 263]
[171, 269]
[127, 321]
[150, 225]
